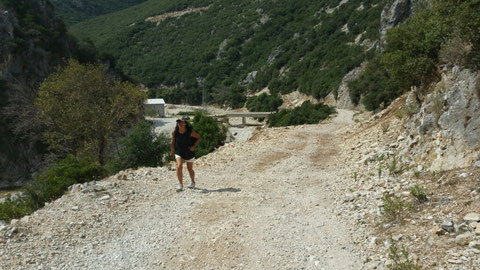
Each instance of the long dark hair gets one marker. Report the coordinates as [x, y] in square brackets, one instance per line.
[189, 128]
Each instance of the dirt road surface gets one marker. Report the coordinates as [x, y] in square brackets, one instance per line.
[262, 204]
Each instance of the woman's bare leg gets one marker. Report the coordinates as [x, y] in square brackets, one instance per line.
[179, 170]
[191, 171]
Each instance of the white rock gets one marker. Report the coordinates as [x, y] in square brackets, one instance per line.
[106, 197]
[397, 237]
[472, 217]
[448, 226]
[14, 222]
[463, 175]
[373, 241]
[455, 261]
[464, 239]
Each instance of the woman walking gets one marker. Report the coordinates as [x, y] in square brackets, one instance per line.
[184, 141]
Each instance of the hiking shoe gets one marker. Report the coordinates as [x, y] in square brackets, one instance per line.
[179, 188]
[192, 185]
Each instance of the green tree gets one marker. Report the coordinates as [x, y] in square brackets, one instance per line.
[83, 109]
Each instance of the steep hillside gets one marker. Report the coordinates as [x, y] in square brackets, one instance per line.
[32, 42]
[75, 11]
[309, 45]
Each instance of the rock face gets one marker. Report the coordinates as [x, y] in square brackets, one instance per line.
[394, 13]
[343, 101]
[445, 131]
[27, 56]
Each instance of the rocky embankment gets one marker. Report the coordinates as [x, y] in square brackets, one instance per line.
[425, 144]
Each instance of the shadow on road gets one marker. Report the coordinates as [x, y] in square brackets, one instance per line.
[204, 190]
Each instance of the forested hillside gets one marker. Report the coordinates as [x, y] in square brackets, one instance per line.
[238, 45]
[75, 11]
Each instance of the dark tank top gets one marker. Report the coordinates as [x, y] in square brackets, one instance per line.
[183, 142]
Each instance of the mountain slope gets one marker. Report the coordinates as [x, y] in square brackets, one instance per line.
[75, 11]
[304, 44]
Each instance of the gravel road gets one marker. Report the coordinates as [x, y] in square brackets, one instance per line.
[263, 204]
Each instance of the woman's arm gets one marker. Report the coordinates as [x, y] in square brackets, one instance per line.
[172, 148]
[196, 136]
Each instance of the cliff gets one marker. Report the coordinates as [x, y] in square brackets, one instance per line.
[33, 43]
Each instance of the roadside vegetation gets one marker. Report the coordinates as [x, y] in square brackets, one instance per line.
[307, 113]
[50, 185]
[446, 32]
[264, 103]
[212, 132]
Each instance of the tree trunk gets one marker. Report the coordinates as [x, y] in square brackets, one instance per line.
[101, 149]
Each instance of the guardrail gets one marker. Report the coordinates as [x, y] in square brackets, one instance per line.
[244, 115]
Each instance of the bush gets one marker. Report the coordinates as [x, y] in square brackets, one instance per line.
[375, 86]
[419, 193]
[141, 148]
[394, 209]
[454, 51]
[400, 258]
[213, 134]
[264, 103]
[50, 185]
[308, 113]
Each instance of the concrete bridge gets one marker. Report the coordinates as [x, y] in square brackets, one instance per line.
[244, 115]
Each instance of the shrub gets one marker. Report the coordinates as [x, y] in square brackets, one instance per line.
[50, 185]
[374, 88]
[394, 209]
[396, 166]
[53, 182]
[308, 113]
[419, 193]
[400, 258]
[407, 110]
[385, 126]
[213, 133]
[264, 103]
[454, 51]
[141, 147]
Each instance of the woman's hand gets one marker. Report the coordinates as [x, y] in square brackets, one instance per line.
[192, 148]
[172, 154]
